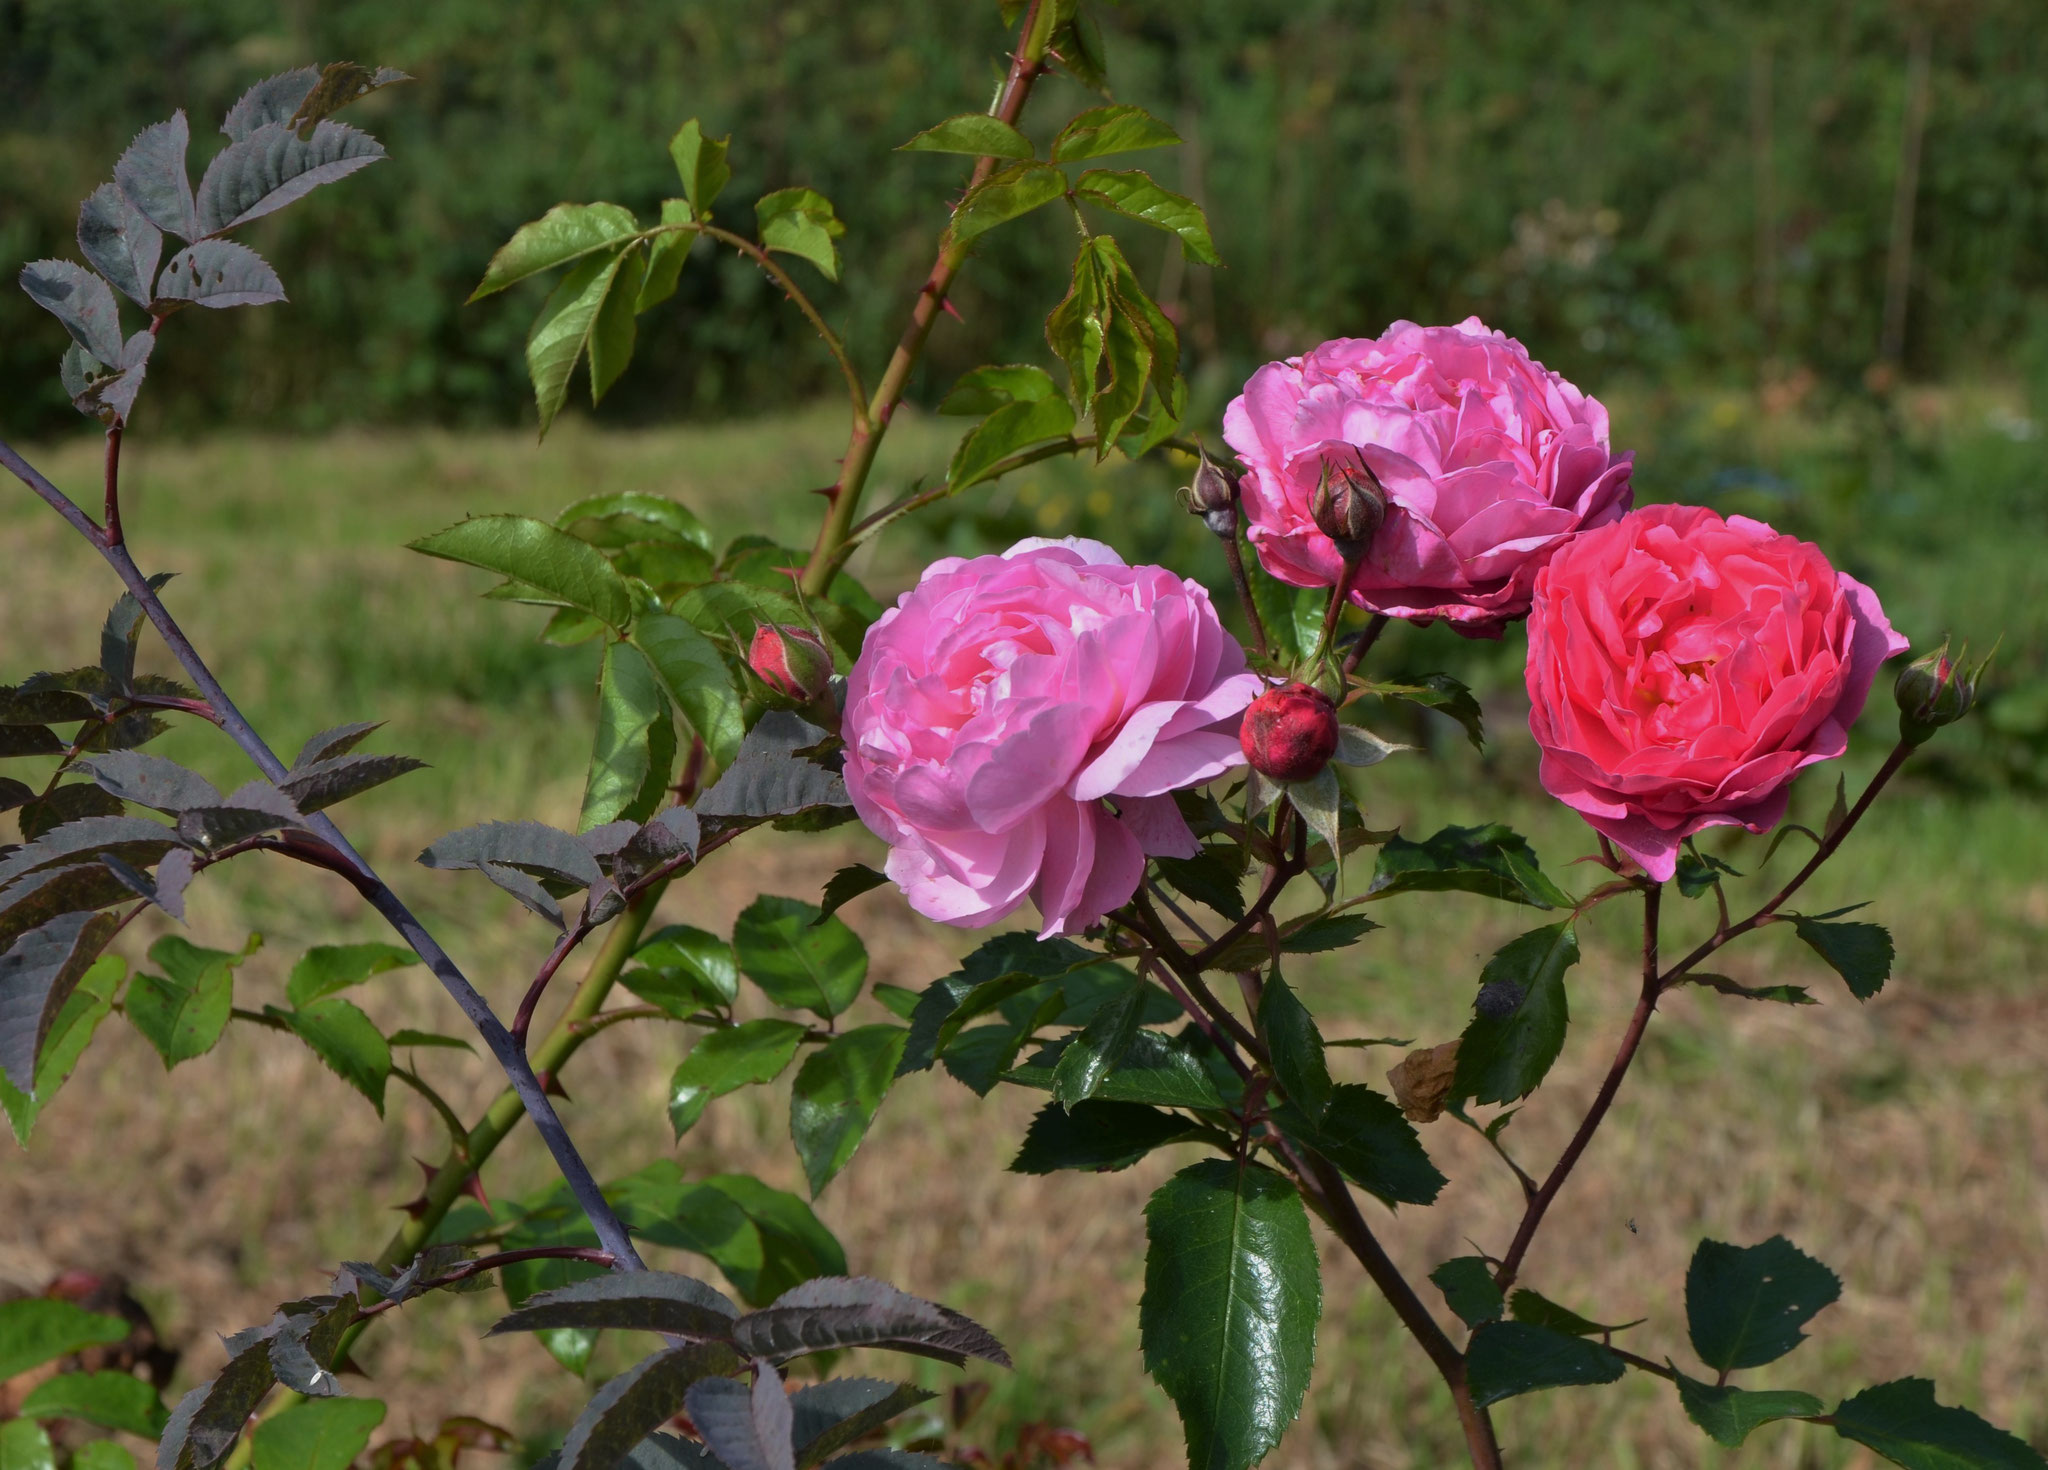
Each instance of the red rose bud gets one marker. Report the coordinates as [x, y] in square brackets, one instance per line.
[1935, 690]
[1349, 506]
[1289, 733]
[1213, 497]
[792, 661]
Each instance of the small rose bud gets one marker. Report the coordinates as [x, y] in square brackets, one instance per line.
[1213, 497]
[792, 661]
[1290, 733]
[1349, 506]
[1935, 690]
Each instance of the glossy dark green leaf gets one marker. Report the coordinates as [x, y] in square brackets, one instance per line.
[1005, 956]
[183, 1011]
[1746, 1305]
[406, 1036]
[1491, 860]
[320, 1434]
[1860, 953]
[1095, 1135]
[1528, 1306]
[1160, 1071]
[836, 1094]
[795, 1244]
[1117, 128]
[1004, 195]
[1210, 877]
[696, 681]
[1791, 995]
[1367, 1138]
[1132, 193]
[638, 1401]
[973, 133]
[1902, 1421]
[1100, 1047]
[1331, 931]
[1296, 1046]
[1520, 1018]
[1445, 695]
[849, 883]
[800, 963]
[682, 969]
[1232, 1295]
[723, 1061]
[536, 553]
[1505, 1359]
[1698, 872]
[801, 222]
[700, 162]
[566, 233]
[328, 968]
[1467, 1285]
[346, 1041]
[1728, 1414]
[89, 1003]
[1012, 427]
[35, 1330]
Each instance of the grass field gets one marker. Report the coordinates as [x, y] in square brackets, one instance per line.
[1904, 1141]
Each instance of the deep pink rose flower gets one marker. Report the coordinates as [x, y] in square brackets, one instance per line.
[1015, 723]
[1683, 668]
[1490, 461]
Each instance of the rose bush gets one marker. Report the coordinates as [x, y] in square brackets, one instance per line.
[1683, 668]
[1004, 697]
[1490, 461]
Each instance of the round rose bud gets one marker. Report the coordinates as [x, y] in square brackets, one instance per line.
[1489, 462]
[1684, 668]
[1290, 733]
[1015, 725]
[1935, 690]
[792, 661]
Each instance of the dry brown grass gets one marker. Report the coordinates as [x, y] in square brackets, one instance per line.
[1903, 1141]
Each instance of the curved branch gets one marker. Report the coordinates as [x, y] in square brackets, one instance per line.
[782, 278]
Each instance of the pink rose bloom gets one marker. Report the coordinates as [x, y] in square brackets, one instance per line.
[1490, 461]
[1015, 723]
[1683, 669]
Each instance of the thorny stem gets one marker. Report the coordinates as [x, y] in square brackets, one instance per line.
[113, 501]
[1219, 1039]
[525, 1086]
[804, 304]
[832, 544]
[491, 1263]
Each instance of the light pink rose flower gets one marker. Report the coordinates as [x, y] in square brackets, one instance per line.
[1490, 461]
[1683, 669]
[1015, 723]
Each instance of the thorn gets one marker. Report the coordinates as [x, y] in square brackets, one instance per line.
[830, 492]
[474, 1188]
[946, 305]
[551, 1086]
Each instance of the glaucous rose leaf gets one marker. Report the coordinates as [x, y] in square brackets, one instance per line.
[1902, 1421]
[647, 1301]
[639, 1401]
[81, 301]
[798, 963]
[973, 133]
[90, 1003]
[120, 241]
[36, 1330]
[726, 1060]
[152, 781]
[1747, 1305]
[1117, 128]
[534, 552]
[152, 174]
[836, 1094]
[801, 222]
[1492, 860]
[1467, 1285]
[1132, 193]
[275, 99]
[320, 1434]
[1860, 953]
[340, 83]
[272, 166]
[208, 1421]
[137, 839]
[322, 784]
[831, 1415]
[217, 274]
[1505, 1359]
[746, 1425]
[767, 776]
[1006, 194]
[1232, 1296]
[857, 1311]
[1519, 1018]
[1728, 1414]
[700, 161]
[39, 972]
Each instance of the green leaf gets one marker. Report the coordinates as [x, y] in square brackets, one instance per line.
[1445, 695]
[406, 1036]
[1528, 1306]
[1004, 195]
[1118, 128]
[629, 702]
[723, 1061]
[1293, 616]
[796, 1245]
[24, 1446]
[973, 133]
[183, 1011]
[1095, 1135]
[1132, 193]
[562, 333]
[1095, 1053]
[566, 569]
[1467, 1285]
[899, 1000]
[666, 256]
[112, 1400]
[565, 233]
[1902, 1422]
[327, 968]
[700, 161]
[1210, 877]
[835, 1096]
[319, 1434]
[1791, 995]
[1367, 1138]
[1860, 953]
[69, 1035]
[684, 970]
[1509, 1358]
[1232, 1296]
[1010, 428]
[696, 681]
[622, 518]
[986, 389]
[1331, 931]
[849, 883]
[796, 960]
[1745, 1305]
[1520, 1017]
[346, 1040]
[36, 1329]
[1297, 1048]
[1728, 1414]
[1698, 872]
[1490, 860]
[1160, 1071]
[612, 335]
[801, 222]
[101, 1454]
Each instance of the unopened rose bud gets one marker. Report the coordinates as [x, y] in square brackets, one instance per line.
[1213, 496]
[1290, 733]
[1348, 506]
[792, 661]
[1935, 690]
